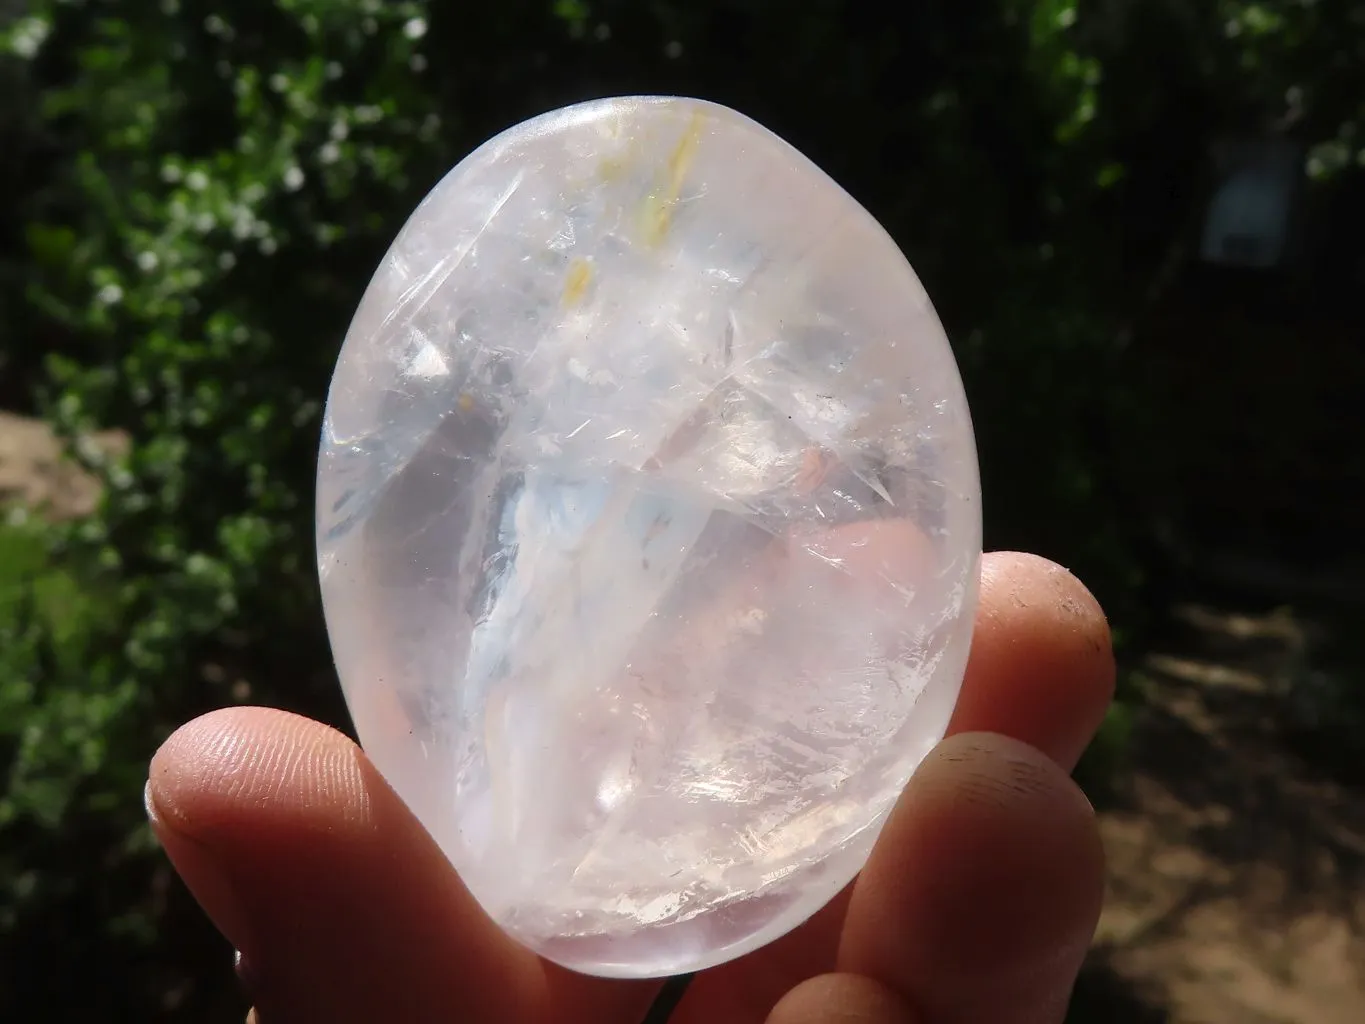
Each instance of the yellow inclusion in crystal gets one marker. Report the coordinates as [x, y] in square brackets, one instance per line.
[659, 204]
[577, 281]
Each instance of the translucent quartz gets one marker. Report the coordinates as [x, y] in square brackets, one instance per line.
[649, 528]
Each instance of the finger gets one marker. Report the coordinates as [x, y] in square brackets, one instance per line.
[343, 907]
[1042, 663]
[1041, 670]
[982, 895]
[841, 999]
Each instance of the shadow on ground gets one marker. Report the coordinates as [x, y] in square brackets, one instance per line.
[1103, 995]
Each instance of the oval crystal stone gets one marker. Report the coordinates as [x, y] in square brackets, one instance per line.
[649, 530]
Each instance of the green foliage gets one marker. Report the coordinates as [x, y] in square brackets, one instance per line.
[49, 630]
[207, 187]
[61, 711]
[222, 185]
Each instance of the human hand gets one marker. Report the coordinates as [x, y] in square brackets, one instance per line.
[978, 903]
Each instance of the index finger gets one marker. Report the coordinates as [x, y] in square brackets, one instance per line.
[1041, 668]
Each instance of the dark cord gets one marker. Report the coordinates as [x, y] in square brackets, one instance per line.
[668, 999]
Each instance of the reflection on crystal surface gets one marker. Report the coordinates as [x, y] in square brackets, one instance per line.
[648, 531]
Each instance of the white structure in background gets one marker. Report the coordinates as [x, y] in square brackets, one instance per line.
[1252, 213]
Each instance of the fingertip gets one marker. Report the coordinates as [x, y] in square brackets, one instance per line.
[1026, 580]
[248, 762]
[1041, 667]
[220, 784]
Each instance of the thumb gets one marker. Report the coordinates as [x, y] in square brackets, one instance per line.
[342, 905]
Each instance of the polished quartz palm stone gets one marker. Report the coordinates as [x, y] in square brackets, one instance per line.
[649, 530]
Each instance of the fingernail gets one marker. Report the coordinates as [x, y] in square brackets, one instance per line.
[198, 866]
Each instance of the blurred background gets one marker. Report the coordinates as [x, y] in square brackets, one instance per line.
[1142, 221]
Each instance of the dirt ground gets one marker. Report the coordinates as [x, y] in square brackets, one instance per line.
[1237, 870]
[34, 474]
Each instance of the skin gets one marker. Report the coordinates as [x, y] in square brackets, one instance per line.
[978, 903]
